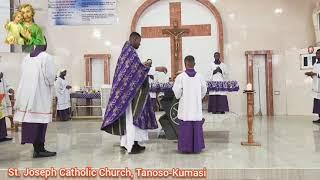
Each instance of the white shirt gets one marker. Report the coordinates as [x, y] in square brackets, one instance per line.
[316, 81]
[63, 94]
[190, 91]
[5, 104]
[34, 93]
[218, 76]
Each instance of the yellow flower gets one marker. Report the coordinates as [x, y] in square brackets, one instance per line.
[11, 40]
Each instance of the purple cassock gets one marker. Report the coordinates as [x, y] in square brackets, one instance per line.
[3, 128]
[130, 84]
[64, 115]
[190, 138]
[218, 104]
[316, 106]
[33, 133]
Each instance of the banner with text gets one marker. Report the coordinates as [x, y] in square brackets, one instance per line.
[82, 12]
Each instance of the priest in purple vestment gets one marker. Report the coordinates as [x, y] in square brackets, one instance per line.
[128, 113]
[190, 87]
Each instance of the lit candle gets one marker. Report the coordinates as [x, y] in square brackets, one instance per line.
[249, 87]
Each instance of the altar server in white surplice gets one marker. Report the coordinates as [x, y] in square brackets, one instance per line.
[63, 96]
[315, 75]
[218, 101]
[34, 99]
[190, 87]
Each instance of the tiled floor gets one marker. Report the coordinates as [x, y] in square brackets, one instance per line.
[287, 142]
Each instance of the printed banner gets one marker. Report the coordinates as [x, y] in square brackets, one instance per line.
[82, 12]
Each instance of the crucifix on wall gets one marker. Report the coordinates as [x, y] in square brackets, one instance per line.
[175, 32]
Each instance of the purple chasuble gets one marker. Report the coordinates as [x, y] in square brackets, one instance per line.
[129, 77]
[147, 118]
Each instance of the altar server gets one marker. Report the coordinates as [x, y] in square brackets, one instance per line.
[63, 96]
[218, 101]
[34, 99]
[190, 87]
[315, 75]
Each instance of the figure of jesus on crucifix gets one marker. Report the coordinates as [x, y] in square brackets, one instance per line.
[176, 33]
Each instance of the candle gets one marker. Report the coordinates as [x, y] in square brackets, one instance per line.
[249, 87]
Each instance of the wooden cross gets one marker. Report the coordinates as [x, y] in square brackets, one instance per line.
[176, 31]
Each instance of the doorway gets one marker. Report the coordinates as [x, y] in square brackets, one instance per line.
[259, 74]
[97, 70]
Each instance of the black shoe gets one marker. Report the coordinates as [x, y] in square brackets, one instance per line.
[123, 148]
[135, 150]
[40, 151]
[142, 148]
[5, 139]
[43, 154]
[136, 145]
[316, 121]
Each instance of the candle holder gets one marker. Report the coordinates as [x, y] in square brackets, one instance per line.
[250, 119]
